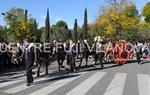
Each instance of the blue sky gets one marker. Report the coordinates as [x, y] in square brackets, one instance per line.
[66, 10]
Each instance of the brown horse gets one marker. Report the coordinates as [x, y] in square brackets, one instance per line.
[43, 59]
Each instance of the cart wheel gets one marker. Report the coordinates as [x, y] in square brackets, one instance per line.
[120, 59]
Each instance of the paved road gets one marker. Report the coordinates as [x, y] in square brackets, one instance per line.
[129, 79]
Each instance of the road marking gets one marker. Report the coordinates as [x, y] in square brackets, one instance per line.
[18, 74]
[143, 84]
[54, 86]
[21, 79]
[84, 87]
[117, 85]
[11, 76]
[21, 87]
[4, 84]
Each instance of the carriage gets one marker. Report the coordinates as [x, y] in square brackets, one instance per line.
[119, 51]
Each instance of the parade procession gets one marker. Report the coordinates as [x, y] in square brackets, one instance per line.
[106, 54]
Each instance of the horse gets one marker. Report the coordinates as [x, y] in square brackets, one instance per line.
[44, 58]
[85, 52]
[60, 54]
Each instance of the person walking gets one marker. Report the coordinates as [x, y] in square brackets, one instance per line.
[29, 58]
[138, 50]
[100, 52]
[3, 53]
[60, 55]
[71, 54]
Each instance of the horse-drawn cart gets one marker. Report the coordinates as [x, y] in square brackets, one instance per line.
[120, 51]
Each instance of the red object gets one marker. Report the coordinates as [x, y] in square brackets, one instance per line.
[120, 55]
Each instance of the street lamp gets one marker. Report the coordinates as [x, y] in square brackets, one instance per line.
[3, 14]
[5, 27]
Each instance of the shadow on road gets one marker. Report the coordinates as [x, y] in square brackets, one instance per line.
[58, 76]
[95, 68]
[145, 62]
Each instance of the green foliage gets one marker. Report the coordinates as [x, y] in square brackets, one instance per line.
[34, 34]
[47, 27]
[2, 34]
[146, 12]
[60, 31]
[20, 26]
[95, 30]
[85, 25]
[75, 31]
[62, 24]
[130, 10]
[41, 30]
[145, 31]
[26, 15]
[117, 19]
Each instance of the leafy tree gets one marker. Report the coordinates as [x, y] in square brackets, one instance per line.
[118, 17]
[35, 34]
[60, 31]
[19, 24]
[94, 30]
[146, 12]
[42, 32]
[62, 24]
[130, 10]
[2, 34]
[145, 31]
[145, 26]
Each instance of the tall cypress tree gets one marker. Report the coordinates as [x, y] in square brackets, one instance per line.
[26, 15]
[36, 31]
[85, 25]
[47, 27]
[76, 30]
[35, 25]
[24, 34]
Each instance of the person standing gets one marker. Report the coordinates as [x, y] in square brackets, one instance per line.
[138, 50]
[71, 54]
[1, 59]
[3, 53]
[60, 54]
[86, 51]
[100, 52]
[29, 58]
